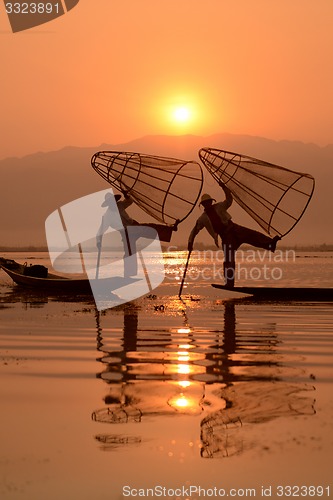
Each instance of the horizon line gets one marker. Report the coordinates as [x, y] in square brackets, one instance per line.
[173, 136]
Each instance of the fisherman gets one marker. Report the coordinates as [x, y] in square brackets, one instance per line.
[218, 222]
[111, 219]
[129, 237]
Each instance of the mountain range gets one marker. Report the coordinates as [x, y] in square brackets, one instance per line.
[35, 185]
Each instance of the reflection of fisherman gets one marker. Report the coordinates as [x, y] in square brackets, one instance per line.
[217, 221]
[111, 219]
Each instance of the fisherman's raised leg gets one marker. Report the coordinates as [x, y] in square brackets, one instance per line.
[256, 238]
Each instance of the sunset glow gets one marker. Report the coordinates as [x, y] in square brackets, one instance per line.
[151, 344]
[185, 404]
[181, 114]
[191, 82]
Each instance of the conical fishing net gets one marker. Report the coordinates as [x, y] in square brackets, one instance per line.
[166, 188]
[274, 196]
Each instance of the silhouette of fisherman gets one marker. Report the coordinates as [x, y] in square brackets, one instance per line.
[218, 222]
[130, 229]
[111, 219]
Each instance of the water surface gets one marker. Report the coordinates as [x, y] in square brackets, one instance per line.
[207, 391]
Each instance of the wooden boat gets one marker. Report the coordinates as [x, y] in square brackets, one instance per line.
[282, 294]
[23, 275]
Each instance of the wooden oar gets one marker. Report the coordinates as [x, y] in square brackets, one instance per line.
[185, 271]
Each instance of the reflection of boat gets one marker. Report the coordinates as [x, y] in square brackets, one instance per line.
[21, 275]
[284, 294]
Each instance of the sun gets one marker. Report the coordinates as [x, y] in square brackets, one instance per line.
[178, 113]
[181, 114]
[184, 110]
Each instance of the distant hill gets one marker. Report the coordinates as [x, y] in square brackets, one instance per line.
[34, 186]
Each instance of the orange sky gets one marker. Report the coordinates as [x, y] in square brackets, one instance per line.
[111, 71]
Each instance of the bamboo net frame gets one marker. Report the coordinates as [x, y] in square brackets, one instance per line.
[274, 196]
[165, 188]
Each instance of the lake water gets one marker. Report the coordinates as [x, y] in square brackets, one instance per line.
[168, 398]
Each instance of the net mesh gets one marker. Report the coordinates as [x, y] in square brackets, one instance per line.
[165, 188]
[274, 196]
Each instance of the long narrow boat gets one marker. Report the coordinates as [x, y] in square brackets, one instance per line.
[51, 282]
[282, 294]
